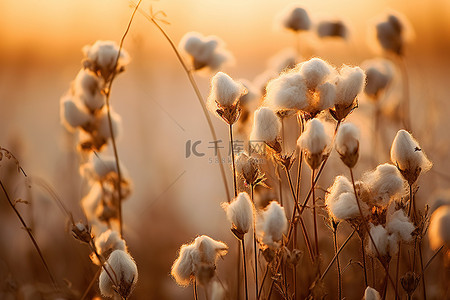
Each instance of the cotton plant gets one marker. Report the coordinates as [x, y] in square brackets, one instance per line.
[294, 18]
[332, 28]
[271, 224]
[266, 128]
[205, 52]
[197, 261]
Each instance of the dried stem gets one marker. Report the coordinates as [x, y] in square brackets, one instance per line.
[111, 131]
[338, 267]
[398, 267]
[336, 255]
[91, 284]
[30, 234]
[195, 289]
[316, 234]
[245, 268]
[263, 280]
[363, 254]
[424, 290]
[190, 75]
[255, 250]
[233, 162]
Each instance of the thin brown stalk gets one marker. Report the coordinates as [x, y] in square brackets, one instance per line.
[233, 162]
[338, 267]
[195, 289]
[316, 234]
[433, 257]
[363, 254]
[255, 250]
[91, 284]
[336, 255]
[262, 281]
[398, 267]
[386, 268]
[191, 78]
[424, 290]
[30, 234]
[245, 268]
[108, 109]
[406, 95]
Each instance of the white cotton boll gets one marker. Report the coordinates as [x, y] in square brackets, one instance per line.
[240, 212]
[314, 139]
[123, 266]
[379, 74]
[100, 167]
[315, 71]
[294, 18]
[341, 200]
[407, 155]
[332, 28]
[88, 87]
[347, 138]
[103, 124]
[209, 250]
[73, 115]
[350, 83]
[283, 60]
[288, 91]
[217, 291]
[109, 241]
[371, 294]
[183, 266]
[326, 96]
[381, 238]
[398, 223]
[225, 91]
[91, 201]
[272, 224]
[439, 230]
[266, 125]
[103, 55]
[206, 52]
[384, 183]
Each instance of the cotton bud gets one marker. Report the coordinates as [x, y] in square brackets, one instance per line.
[439, 231]
[123, 271]
[205, 52]
[224, 96]
[73, 114]
[398, 223]
[371, 294]
[333, 29]
[409, 282]
[341, 200]
[82, 232]
[101, 58]
[392, 32]
[409, 158]
[347, 144]
[272, 224]
[266, 127]
[379, 74]
[314, 142]
[109, 241]
[294, 18]
[197, 259]
[350, 83]
[315, 72]
[240, 213]
[384, 183]
[287, 92]
[88, 87]
[248, 168]
[104, 131]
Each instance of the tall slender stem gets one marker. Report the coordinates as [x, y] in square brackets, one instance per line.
[111, 131]
[424, 290]
[195, 289]
[262, 281]
[30, 234]
[245, 268]
[336, 255]
[254, 243]
[363, 254]
[316, 234]
[91, 284]
[406, 96]
[232, 161]
[398, 267]
[190, 75]
[338, 267]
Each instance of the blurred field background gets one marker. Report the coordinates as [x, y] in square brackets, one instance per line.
[175, 198]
